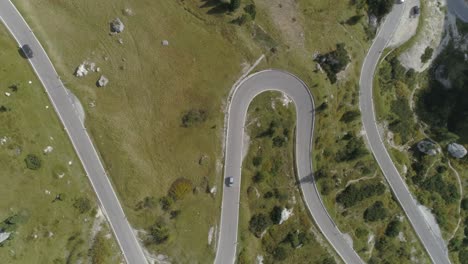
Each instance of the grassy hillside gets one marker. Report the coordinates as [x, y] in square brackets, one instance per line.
[137, 121]
[47, 206]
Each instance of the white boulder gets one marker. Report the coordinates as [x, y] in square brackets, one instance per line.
[456, 150]
[81, 70]
[117, 26]
[427, 147]
[103, 81]
[285, 214]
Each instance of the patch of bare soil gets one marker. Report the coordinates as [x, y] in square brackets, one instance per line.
[287, 18]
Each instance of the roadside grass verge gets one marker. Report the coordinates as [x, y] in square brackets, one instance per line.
[39, 206]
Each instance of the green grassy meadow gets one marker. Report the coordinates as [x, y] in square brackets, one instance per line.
[38, 206]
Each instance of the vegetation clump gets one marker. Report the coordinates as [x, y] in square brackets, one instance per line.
[82, 204]
[353, 194]
[334, 61]
[375, 212]
[427, 55]
[159, 233]
[194, 117]
[258, 223]
[180, 188]
[33, 162]
[393, 228]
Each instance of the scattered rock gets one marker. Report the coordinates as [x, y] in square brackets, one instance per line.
[47, 192]
[210, 235]
[120, 41]
[427, 147]
[372, 21]
[103, 81]
[48, 149]
[165, 43]
[128, 12]
[4, 236]
[98, 69]
[203, 160]
[213, 190]
[81, 70]
[7, 93]
[285, 214]
[3, 140]
[457, 150]
[70, 163]
[117, 26]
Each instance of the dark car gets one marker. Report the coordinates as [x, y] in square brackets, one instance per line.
[27, 51]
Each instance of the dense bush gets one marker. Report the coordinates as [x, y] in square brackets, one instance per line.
[100, 250]
[354, 149]
[235, 4]
[427, 54]
[279, 141]
[257, 161]
[148, 202]
[280, 253]
[83, 204]
[159, 233]
[33, 162]
[180, 188]
[464, 204]
[380, 7]
[193, 117]
[334, 61]
[251, 10]
[270, 130]
[259, 177]
[354, 20]
[375, 212]
[448, 191]
[258, 223]
[353, 194]
[166, 203]
[350, 116]
[275, 215]
[393, 228]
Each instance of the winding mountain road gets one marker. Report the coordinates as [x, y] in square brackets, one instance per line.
[434, 245]
[75, 129]
[273, 80]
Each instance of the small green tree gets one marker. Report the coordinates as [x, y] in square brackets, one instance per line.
[375, 212]
[235, 4]
[280, 253]
[275, 215]
[193, 117]
[258, 223]
[427, 54]
[393, 228]
[166, 203]
[159, 233]
[33, 162]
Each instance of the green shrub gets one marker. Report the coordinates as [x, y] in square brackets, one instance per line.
[235, 4]
[259, 177]
[257, 161]
[101, 250]
[193, 117]
[275, 215]
[280, 253]
[334, 61]
[427, 55]
[180, 188]
[380, 7]
[251, 10]
[393, 228]
[464, 204]
[33, 162]
[354, 149]
[279, 141]
[258, 223]
[83, 204]
[375, 212]
[159, 233]
[353, 194]
[166, 203]
[350, 116]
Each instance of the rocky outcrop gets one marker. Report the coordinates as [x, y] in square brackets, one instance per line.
[103, 81]
[117, 26]
[427, 147]
[456, 150]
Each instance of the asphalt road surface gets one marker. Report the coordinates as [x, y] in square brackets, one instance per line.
[250, 87]
[434, 245]
[76, 131]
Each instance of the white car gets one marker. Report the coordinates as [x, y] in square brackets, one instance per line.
[229, 181]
